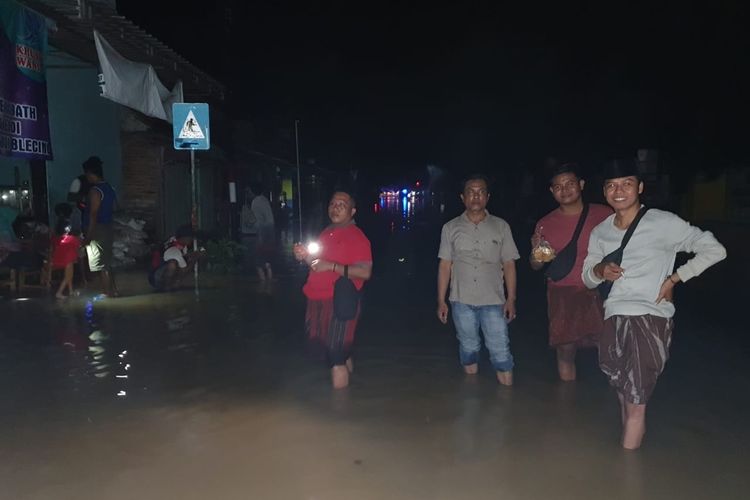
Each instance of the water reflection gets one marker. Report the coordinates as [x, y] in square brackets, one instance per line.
[404, 233]
[408, 416]
[106, 361]
[404, 204]
[91, 347]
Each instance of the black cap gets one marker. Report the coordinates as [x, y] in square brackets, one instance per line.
[93, 160]
[614, 169]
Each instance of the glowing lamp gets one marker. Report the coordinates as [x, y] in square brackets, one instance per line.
[313, 248]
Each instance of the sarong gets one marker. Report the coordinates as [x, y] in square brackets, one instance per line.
[632, 353]
[325, 331]
[575, 316]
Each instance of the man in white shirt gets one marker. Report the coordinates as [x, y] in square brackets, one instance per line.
[265, 232]
[78, 194]
[638, 311]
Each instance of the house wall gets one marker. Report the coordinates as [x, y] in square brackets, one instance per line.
[7, 170]
[157, 184]
[82, 124]
[142, 172]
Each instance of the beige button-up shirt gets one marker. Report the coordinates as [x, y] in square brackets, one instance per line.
[477, 253]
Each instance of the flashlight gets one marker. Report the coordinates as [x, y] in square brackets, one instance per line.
[313, 248]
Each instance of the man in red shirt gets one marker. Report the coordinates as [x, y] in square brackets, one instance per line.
[344, 250]
[574, 312]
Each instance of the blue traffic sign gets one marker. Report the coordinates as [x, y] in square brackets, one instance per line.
[191, 126]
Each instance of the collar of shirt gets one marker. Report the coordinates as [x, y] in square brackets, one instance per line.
[486, 216]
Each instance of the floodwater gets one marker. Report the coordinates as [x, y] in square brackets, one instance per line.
[162, 396]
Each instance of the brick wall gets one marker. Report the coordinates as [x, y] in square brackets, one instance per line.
[141, 176]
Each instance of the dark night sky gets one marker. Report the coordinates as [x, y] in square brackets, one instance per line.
[388, 86]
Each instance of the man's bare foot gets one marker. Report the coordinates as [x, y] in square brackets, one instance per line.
[505, 378]
[60, 296]
[471, 369]
[339, 376]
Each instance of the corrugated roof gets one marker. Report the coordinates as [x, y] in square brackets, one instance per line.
[76, 20]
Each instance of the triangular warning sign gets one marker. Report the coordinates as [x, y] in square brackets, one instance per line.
[191, 129]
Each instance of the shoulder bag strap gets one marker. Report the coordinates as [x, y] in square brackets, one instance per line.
[631, 228]
[579, 226]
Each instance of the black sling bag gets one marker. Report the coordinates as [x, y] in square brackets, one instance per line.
[616, 256]
[345, 297]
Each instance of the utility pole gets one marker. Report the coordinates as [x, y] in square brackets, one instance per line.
[299, 181]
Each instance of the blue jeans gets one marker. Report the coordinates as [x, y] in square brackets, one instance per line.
[468, 319]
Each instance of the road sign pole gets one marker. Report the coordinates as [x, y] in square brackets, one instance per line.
[196, 222]
[190, 127]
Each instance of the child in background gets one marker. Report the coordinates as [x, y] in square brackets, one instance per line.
[65, 248]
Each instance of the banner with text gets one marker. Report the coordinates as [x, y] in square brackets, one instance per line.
[24, 123]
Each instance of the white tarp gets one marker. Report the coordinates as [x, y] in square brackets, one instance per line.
[133, 84]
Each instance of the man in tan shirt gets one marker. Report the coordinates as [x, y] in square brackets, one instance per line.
[477, 256]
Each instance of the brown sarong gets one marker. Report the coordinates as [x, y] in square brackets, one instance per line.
[575, 316]
[632, 353]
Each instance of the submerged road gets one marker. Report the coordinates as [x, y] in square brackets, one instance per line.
[160, 396]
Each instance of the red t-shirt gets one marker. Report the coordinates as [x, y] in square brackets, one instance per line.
[345, 245]
[557, 228]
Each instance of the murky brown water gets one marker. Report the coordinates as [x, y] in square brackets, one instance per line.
[157, 396]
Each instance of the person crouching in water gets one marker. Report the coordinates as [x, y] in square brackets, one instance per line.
[175, 262]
